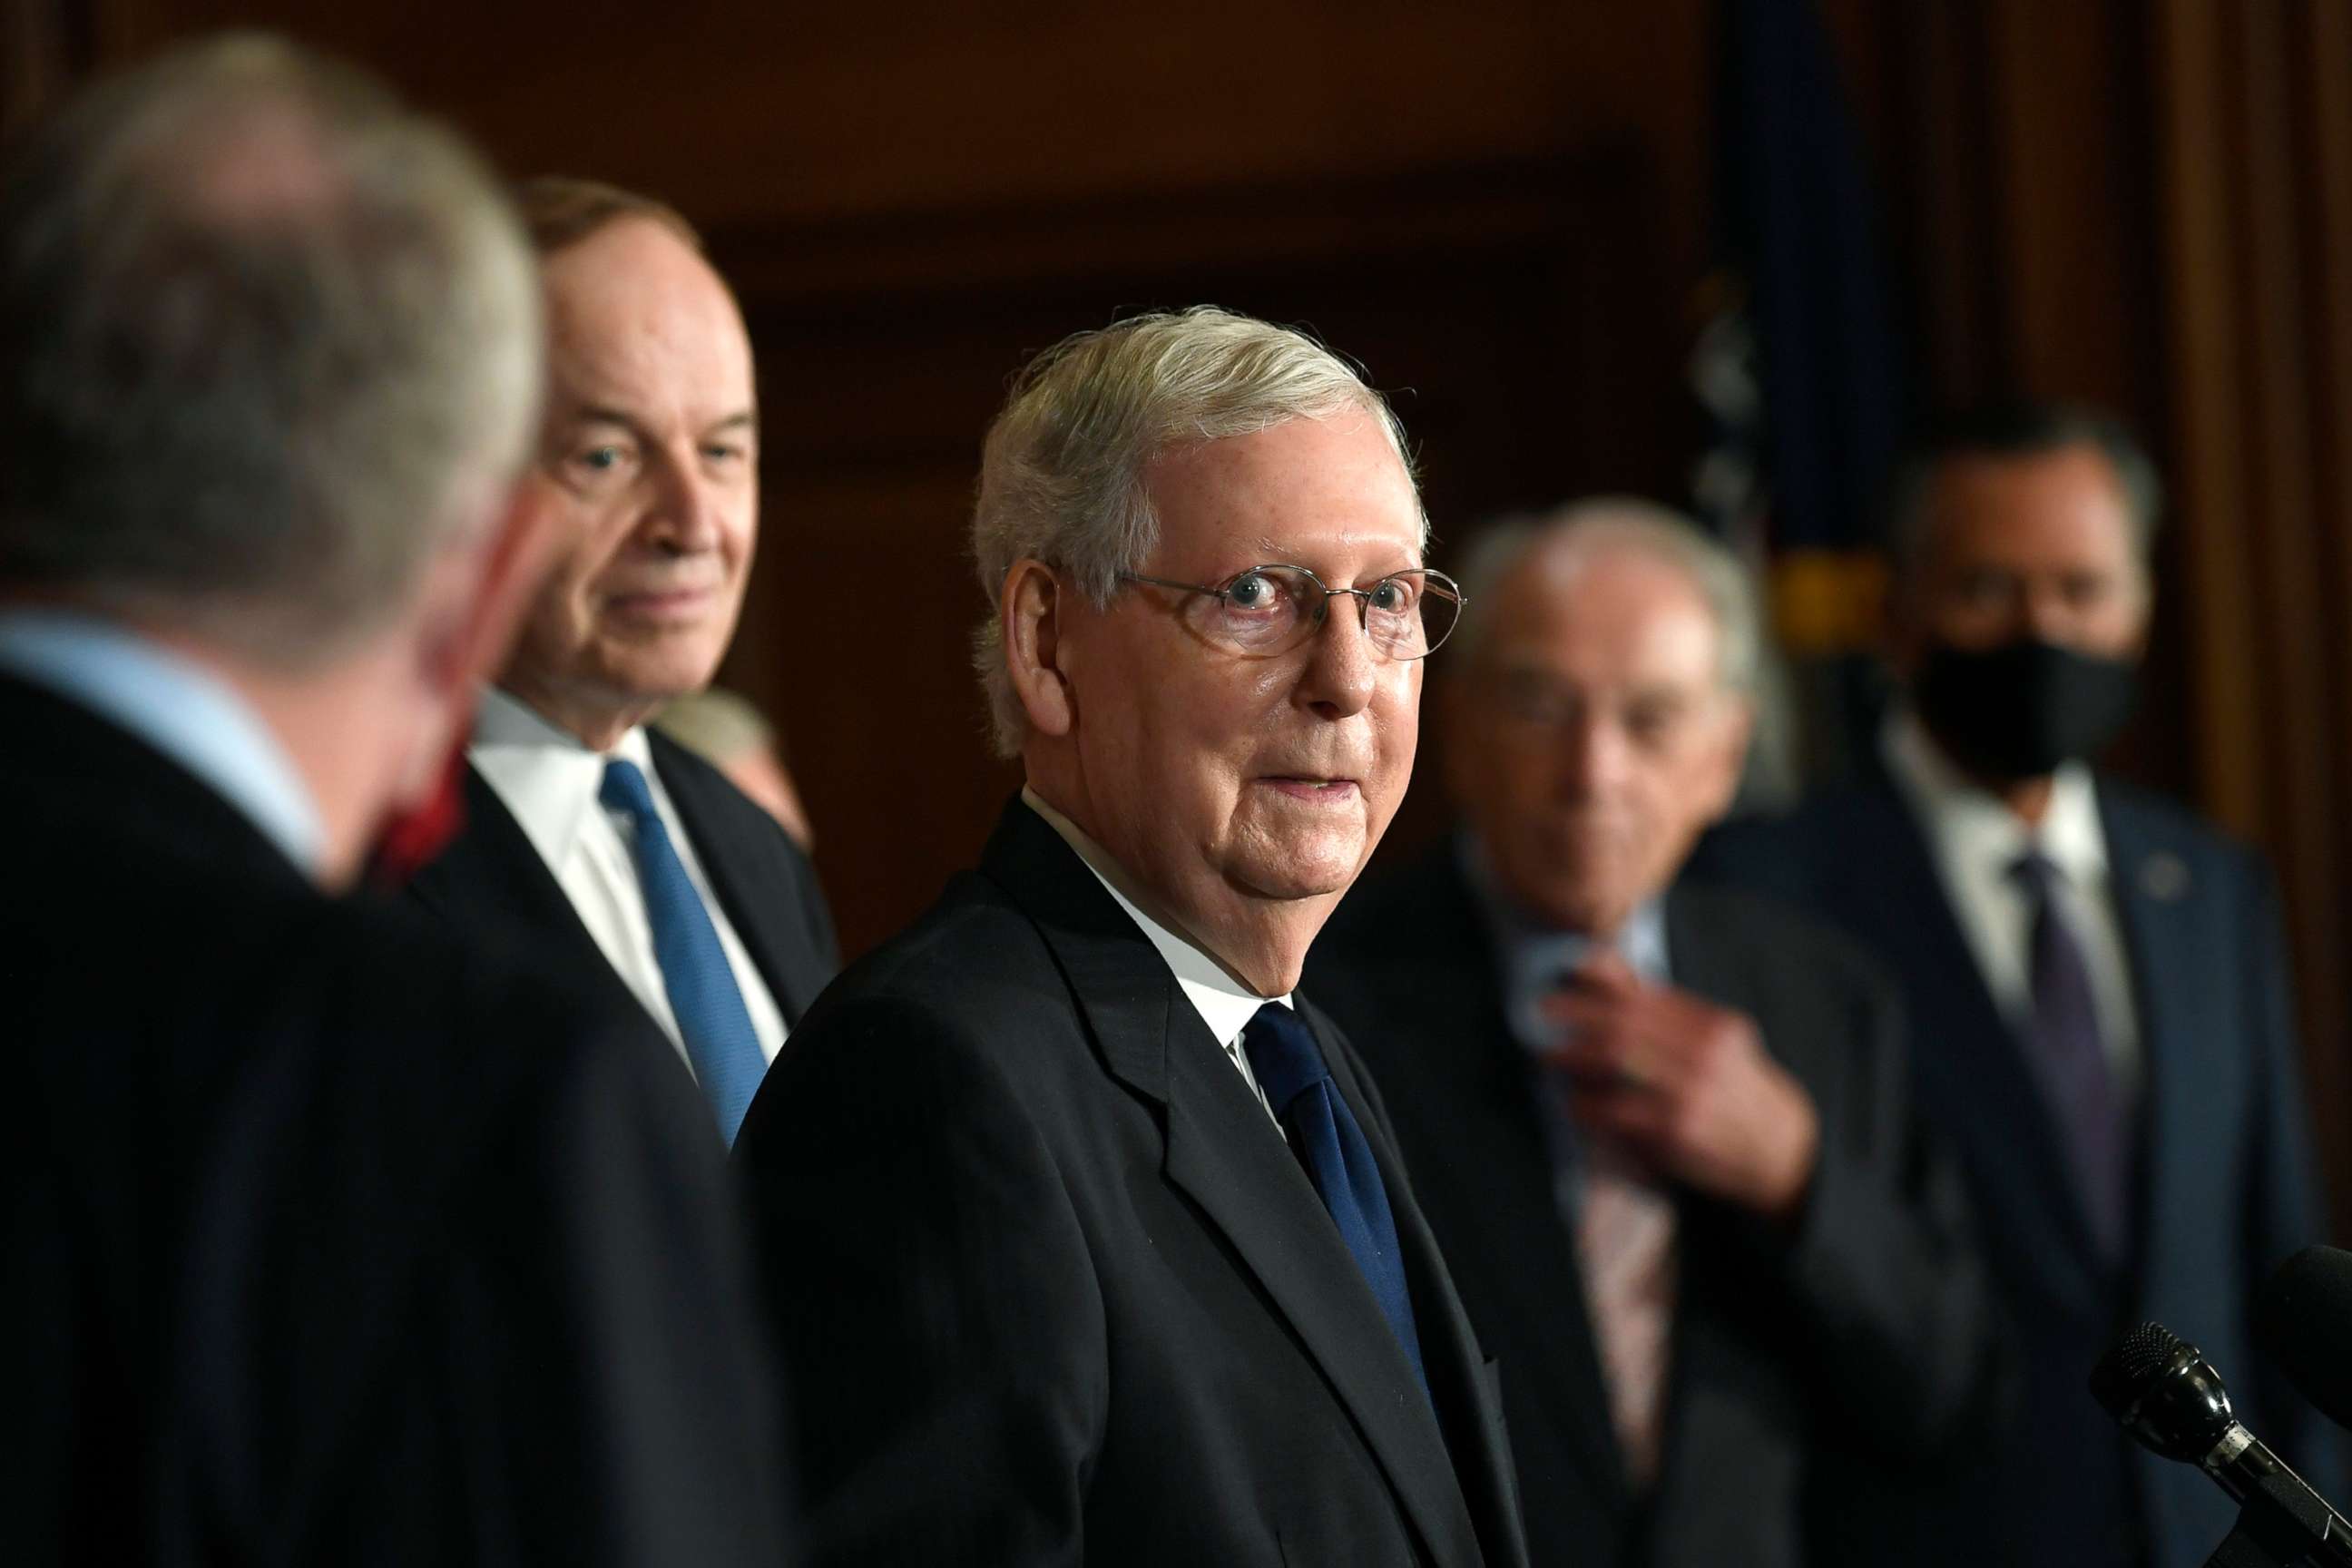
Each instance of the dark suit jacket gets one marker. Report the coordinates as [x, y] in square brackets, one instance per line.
[491, 885]
[1052, 1288]
[1868, 1327]
[327, 1241]
[2224, 1187]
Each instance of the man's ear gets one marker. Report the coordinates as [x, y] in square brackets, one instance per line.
[1030, 605]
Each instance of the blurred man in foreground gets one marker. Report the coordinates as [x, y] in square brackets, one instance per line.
[1118, 1261]
[325, 1241]
[669, 896]
[1662, 1132]
[2098, 982]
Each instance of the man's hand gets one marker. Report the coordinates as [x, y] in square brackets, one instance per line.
[1688, 1088]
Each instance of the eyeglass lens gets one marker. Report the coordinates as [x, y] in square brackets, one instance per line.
[1272, 608]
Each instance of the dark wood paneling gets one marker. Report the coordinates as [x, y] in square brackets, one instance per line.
[1499, 207]
[1513, 311]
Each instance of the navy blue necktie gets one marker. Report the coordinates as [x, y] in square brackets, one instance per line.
[1324, 1137]
[2069, 1055]
[719, 1041]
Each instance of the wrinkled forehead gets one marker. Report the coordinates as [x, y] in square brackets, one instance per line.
[1610, 610]
[636, 318]
[1325, 493]
[2065, 508]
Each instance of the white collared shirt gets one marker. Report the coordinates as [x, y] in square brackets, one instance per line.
[550, 781]
[176, 706]
[1976, 839]
[1224, 1004]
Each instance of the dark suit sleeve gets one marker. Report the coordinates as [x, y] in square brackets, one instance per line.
[1888, 1283]
[2283, 1211]
[612, 1394]
[935, 1299]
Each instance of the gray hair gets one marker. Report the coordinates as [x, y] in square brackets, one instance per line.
[1722, 579]
[1063, 471]
[269, 341]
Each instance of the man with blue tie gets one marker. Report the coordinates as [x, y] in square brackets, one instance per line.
[2096, 978]
[666, 891]
[1088, 1235]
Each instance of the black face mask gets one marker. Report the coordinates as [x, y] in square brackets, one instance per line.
[2019, 710]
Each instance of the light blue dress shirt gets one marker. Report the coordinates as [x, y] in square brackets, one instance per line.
[185, 712]
[1531, 959]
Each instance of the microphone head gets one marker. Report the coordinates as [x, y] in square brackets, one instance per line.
[2163, 1392]
[2303, 1320]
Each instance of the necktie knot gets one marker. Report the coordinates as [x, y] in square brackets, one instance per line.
[625, 790]
[2035, 872]
[1282, 1055]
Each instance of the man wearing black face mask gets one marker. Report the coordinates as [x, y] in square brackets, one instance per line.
[2095, 980]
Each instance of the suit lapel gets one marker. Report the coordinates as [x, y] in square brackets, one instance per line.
[492, 883]
[1972, 1071]
[1496, 1110]
[1224, 1155]
[1449, 1344]
[1223, 1151]
[769, 925]
[2149, 882]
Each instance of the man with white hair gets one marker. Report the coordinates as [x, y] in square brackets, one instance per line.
[1662, 1132]
[1089, 1239]
[324, 1240]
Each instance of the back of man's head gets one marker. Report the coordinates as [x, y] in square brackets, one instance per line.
[269, 339]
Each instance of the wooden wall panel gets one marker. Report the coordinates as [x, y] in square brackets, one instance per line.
[2257, 299]
[1499, 205]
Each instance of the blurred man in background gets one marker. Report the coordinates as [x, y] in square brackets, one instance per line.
[1663, 1132]
[1118, 1260]
[325, 1241]
[2098, 980]
[656, 882]
[726, 730]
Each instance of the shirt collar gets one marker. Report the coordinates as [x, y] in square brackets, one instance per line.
[1533, 954]
[175, 705]
[1224, 1004]
[547, 775]
[1972, 826]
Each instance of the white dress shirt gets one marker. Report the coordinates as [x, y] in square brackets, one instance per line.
[549, 779]
[1975, 839]
[177, 706]
[1224, 1004]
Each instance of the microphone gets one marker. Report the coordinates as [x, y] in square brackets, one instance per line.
[2169, 1398]
[2302, 1321]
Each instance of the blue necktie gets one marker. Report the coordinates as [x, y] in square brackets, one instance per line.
[2069, 1055]
[703, 995]
[1324, 1137]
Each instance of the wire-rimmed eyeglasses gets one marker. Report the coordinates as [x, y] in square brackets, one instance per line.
[1271, 609]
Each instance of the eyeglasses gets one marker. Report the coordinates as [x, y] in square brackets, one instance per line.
[1270, 610]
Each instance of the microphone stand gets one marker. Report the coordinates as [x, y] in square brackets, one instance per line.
[2281, 1524]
